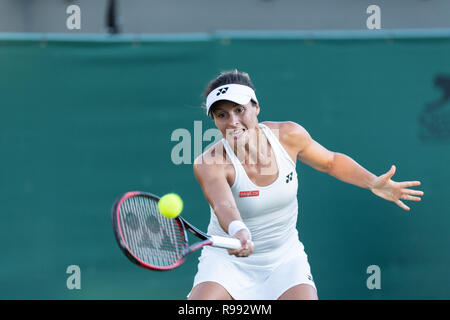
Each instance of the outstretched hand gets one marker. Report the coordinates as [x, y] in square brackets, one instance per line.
[393, 191]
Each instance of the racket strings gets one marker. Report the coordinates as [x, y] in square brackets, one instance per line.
[152, 238]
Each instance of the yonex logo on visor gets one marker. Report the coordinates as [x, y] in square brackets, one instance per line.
[224, 90]
[236, 93]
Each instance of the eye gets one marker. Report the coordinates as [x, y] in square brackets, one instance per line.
[220, 115]
[240, 110]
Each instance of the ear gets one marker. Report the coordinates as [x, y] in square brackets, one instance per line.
[257, 109]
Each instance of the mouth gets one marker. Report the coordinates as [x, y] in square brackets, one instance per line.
[236, 133]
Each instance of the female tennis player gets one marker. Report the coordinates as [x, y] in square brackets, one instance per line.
[249, 179]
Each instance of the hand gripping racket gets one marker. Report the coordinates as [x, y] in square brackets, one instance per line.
[153, 241]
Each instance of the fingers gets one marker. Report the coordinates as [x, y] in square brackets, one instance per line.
[411, 195]
[244, 251]
[412, 192]
[387, 176]
[408, 184]
[392, 170]
[410, 198]
[390, 173]
[402, 205]
[246, 248]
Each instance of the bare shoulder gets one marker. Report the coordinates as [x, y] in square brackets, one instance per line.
[290, 133]
[213, 170]
[212, 161]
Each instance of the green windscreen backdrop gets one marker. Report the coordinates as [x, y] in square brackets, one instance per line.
[86, 118]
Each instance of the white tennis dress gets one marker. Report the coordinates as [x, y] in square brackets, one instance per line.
[279, 261]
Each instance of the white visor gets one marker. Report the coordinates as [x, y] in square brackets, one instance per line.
[237, 93]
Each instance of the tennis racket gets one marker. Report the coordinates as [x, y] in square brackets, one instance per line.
[153, 241]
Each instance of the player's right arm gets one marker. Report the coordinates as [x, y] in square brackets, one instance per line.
[212, 179]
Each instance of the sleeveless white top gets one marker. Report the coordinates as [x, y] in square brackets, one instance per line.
[270, 212]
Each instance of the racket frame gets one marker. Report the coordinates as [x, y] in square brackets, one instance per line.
[182, 224]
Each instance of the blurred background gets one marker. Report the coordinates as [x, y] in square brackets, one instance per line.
[177, 16]
[88, 114]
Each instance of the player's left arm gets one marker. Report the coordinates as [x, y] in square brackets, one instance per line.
[348, 170]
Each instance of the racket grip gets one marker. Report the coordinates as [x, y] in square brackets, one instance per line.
[226, 243]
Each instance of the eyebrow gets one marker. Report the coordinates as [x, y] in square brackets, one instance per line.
[218, 108]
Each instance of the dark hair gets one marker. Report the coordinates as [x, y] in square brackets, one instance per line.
[228, 77]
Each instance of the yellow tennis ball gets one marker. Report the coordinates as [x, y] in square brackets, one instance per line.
[170, 205]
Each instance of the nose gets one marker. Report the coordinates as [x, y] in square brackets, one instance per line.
[233, 119]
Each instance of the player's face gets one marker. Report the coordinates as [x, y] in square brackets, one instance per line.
[236, 122]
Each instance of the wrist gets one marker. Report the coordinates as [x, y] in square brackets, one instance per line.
[235, 226]
[371, 184]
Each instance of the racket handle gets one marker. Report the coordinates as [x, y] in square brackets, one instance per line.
[226, 243]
